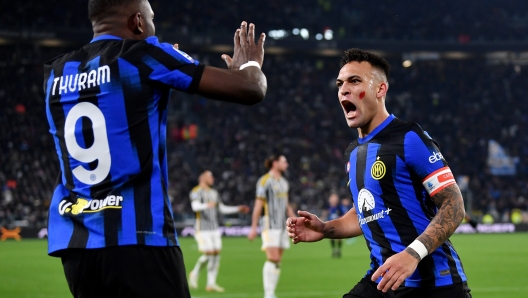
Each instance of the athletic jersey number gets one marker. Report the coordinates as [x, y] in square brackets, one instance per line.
[100, 150]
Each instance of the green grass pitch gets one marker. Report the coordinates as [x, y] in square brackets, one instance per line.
[494, 265]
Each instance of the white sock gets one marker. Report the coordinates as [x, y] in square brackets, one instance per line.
[270, 276]
[212, 269]
[199, 264]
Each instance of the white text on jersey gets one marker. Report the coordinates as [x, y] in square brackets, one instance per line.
[78, 82]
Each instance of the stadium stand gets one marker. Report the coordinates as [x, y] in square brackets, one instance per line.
[397, 20]
[462, 103]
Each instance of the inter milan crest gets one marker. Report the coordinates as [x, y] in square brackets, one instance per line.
[378, 169]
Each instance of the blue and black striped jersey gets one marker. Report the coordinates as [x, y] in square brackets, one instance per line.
[106, 105]
[387, 170]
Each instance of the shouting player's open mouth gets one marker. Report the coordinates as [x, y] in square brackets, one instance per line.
[349, 108]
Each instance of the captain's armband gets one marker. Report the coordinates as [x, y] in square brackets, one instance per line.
[438, 180]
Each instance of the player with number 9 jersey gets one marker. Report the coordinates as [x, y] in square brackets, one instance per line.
[106, 107]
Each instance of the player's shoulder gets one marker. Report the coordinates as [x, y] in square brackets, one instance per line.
[416, 134]
[263, 179]
[196, 189]
[64, 58]
[398, 127]
[175, 53]
[408, 132]
[349, 149]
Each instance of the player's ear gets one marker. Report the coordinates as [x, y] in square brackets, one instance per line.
[135, 23]
[382, 89]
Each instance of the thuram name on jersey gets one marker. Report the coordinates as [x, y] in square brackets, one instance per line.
[86, 206]
[78, 82]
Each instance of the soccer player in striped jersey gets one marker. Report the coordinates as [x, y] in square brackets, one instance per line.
[406, 201]
[272, 196]
[206, 203]
[110, 218]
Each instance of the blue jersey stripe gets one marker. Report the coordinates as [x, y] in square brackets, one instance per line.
[127, 232]
[410, 203]
[169, 49]
[460, 269]
[53, 128]
[59, 237]
[440, 264]
[156, 190]
[164, 75]
[124, 158]
[95, 236]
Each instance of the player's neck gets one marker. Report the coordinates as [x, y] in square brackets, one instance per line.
[365, 130]
[112, 28]
[205, 186]
[275, 173]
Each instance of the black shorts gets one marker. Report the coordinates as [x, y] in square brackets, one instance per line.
[458, 290]
[126, 271]
[367, 289]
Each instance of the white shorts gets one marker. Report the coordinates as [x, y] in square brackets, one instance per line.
[208, 240]
[275, 238]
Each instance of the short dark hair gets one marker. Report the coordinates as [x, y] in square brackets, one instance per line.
[360, 56]
[102, 8]
[268, 163]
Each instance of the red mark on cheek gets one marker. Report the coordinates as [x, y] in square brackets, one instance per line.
[361, 95]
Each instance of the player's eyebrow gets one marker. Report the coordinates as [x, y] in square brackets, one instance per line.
[338, 80]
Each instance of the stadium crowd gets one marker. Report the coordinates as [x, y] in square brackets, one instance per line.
[461, 103]
[397, 20]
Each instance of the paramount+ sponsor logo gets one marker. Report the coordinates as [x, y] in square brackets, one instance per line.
[85, 206]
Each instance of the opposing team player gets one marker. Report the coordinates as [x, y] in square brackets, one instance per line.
[110, 218]
[406, 201]
[206, 203]
[272, 196]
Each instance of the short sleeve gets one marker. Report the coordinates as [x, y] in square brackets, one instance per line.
[422, 154]
[172, 67]
[261, 189]
[194, 196]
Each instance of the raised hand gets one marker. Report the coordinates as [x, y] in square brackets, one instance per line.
[245, 47]
[305, 228]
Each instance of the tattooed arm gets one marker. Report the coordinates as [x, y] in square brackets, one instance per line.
[449, 216]
[309, 228]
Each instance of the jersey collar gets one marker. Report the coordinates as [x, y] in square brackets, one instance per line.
[377, 129]
[105, 36]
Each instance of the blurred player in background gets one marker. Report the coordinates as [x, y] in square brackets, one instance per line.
[335, 211]
[346, 204]
[406, 201]
[272, 196]
[110, 218]
[206, 203]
